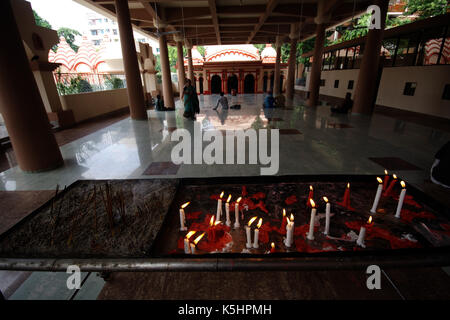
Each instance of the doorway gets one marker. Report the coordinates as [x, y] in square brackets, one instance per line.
[216, 84]
[200, 83]
[249, 84]
[232, 83]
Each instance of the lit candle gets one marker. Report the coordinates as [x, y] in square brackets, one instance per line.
[272, 247]
[255, 240]
[236, 213]
[227, 211]
[187, 248]
[362, 234]
[327, 215]
[401, 199]
[377, 196]
[310, 235]
[219, 207]
[182, 217]
[386, 180]
[290, 231]
[247, 231]
[391, 186]
[195, 242]
[310, 196]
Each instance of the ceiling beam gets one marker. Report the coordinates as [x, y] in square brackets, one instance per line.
[213, 9]
[269, 8]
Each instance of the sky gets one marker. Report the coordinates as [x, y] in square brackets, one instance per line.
[61, 13]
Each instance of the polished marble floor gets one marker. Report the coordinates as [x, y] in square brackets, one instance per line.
[312, 141]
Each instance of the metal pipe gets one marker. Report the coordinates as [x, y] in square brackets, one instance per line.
[226, 264]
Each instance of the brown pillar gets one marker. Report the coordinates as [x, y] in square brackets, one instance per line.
[365, 91]
[276, 85]
[290, 82]
[190, 66]
[165, 70]
[316, 68]
[181, 74]
[130, 62]
[21, 105]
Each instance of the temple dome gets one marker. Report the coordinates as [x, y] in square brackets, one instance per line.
[244, 52]
[268, 55]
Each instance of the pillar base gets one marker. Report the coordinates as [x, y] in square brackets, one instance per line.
[52, 167]
[65, 118]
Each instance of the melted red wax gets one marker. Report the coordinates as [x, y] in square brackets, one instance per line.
[264, 232]
[244, 191]
[346, 200]
[258, 195]
[376, 232]
[291, 200]
[193, 215]
[215, 197]
[408, 200]
[408, 215]
[252, 206]
[303, 246]
[216, 239]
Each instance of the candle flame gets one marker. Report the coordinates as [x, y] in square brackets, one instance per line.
[379, 180]
[292, 217]
[394, 176]
[385, 172]
[311, 188]
[251, 221]
[348, 185]
[370, 220]
[217, 222]
[199, 238]
[403, 184]
[313, 204]
[190, 234]
[238, 199]
[185, 205]
[259, 223]
[325, 199]
[221, 195]
[211, 222]
[272, 245]
[284, 213]
[229, 198]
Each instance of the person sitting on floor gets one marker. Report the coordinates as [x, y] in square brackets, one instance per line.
[159, 104]
[345, 105]
[269, 100]
[280, 101]
[440, 170]
[223, 101]
[234, 102]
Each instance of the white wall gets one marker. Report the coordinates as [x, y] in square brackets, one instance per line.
[427, 98]
[428, 95]
[91, 104]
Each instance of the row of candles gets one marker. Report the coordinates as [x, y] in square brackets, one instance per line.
[190, 247]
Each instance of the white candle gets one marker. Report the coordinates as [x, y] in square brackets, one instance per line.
[249, 240]
[196, 241]
[310, 235]
[182, 217]
[255, 241]
[236, 213]
[289, 231]
[361, 236]
[192, 248]
[186, 246]
[219, 207]
[227, 211]
[327, 216]
[400, 200]
[377, 196]
[247, 231]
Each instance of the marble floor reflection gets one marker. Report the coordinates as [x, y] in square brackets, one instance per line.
[312, 141]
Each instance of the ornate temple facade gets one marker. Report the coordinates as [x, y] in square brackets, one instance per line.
[238, 67]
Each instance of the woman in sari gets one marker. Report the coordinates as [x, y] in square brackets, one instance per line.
[191, 104]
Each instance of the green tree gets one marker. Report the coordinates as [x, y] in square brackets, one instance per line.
[426, 8]
[69, 34]
[40, 21]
